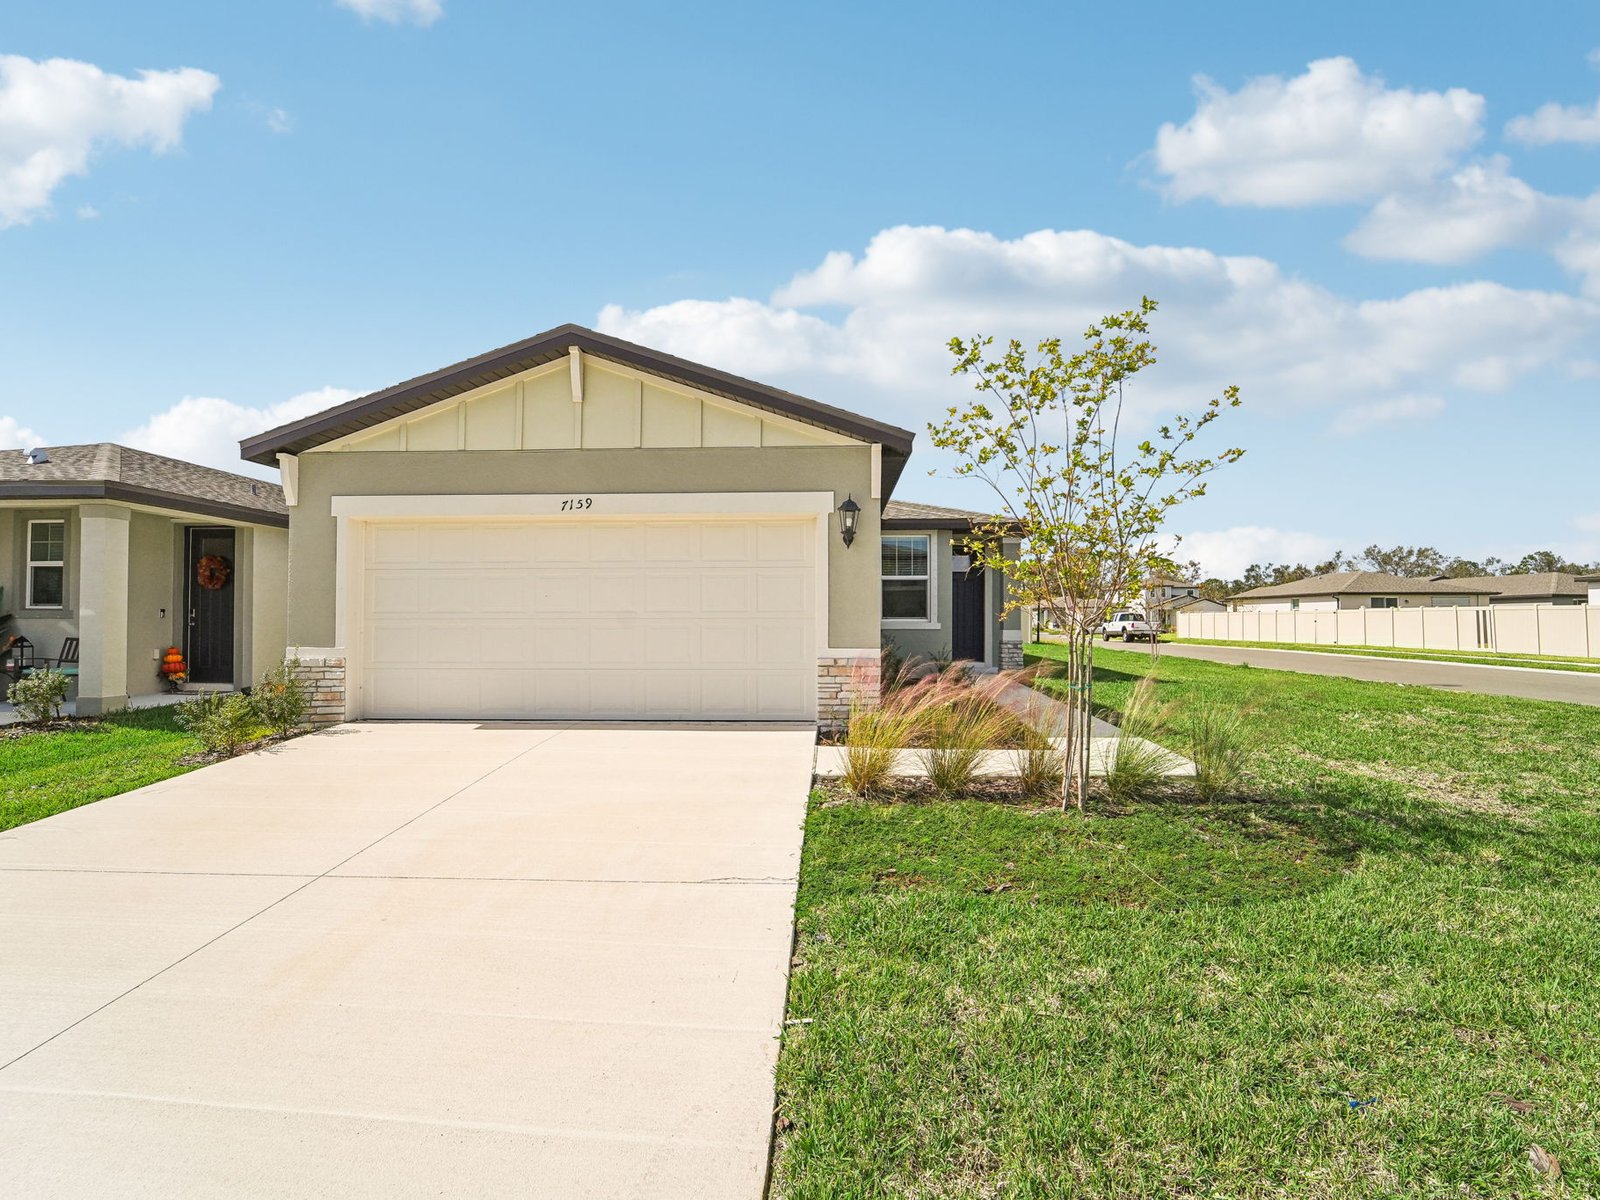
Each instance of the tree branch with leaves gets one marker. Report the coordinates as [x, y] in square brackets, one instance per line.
[1047, 434]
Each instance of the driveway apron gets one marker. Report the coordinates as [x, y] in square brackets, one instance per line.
[409, 960]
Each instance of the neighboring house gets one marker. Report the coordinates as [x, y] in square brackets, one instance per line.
[575, 526]
[1592, 582]
[1372, 589]
[1164, 595]
[1191, 604]
[102, 543]
[935, 603]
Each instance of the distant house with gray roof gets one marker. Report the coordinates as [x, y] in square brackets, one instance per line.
[1374, 589]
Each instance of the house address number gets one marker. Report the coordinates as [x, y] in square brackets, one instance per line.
[577, 503]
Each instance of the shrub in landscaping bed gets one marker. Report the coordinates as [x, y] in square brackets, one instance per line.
[39, 696]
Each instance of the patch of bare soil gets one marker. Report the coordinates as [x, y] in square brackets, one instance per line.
[61, 725]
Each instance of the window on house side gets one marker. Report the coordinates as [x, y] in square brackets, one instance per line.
[905, 578]
[47, 564]
[1385, 602]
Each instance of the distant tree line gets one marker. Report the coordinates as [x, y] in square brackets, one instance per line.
[1414, 562]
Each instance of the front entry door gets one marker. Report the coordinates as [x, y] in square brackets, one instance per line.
[208, 632]
[966, 615]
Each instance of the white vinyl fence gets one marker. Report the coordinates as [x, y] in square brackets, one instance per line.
[1568, 630]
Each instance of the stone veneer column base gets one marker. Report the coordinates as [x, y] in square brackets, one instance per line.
[1011, 656]
[323, 673]
[843, 677]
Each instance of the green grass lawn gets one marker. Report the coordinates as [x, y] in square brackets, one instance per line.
[45, 773]
[1543, 661]
[1196, 999]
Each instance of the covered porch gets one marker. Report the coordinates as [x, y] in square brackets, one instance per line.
[113, 571]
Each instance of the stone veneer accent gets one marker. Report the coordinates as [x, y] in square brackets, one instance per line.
[323, 675]
[838, 678]
[1010, 656]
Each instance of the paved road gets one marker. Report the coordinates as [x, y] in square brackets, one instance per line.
[408, 960]
[1570, 686]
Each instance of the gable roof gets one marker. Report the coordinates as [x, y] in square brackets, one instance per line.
[469, 374]
[1546, 584]
[106, 471]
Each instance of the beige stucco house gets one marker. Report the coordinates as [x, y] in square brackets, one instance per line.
[1343, 590]
[101, 543]
[575, 526]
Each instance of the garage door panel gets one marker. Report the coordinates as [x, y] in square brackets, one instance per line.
[778, 644]
[393, 545]
[783, 543]
[613, 593]
[725, 543]
[782, 592]
[615, 543]
[392, 593]
[454, 592]
[557, 545]
[676, 593]
[671, 543]
[669, 619]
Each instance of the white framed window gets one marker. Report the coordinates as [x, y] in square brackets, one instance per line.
[907, 579]
[1386, 602]
[47, 564]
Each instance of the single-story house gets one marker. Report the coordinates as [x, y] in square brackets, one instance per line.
[936, 604]
[1190, 604]
[127, 553]
[1373, 589]
[575, 526]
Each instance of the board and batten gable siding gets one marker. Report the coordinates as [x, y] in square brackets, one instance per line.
[843, 470]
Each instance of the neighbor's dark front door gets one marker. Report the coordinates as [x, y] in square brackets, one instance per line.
[208, 634]
[966, 615]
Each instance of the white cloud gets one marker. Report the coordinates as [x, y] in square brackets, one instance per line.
[1400, 409]
[890, 311]
[1331, 135]
[87, 212]
[1478, 209]
[1551, 123]
[1225, 553]
[14, 435]
[56, 113]
[278, 121]
[207, 430]
[416, 12]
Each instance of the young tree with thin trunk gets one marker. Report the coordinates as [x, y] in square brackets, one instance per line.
[1046, 433]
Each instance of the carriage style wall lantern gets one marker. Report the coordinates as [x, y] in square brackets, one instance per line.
[849, 514]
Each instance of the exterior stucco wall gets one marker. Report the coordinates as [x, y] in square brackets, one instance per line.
[45, 628]
[853, 599]
[153, 610]
[934, 640]
[930, 640]
[264, 624]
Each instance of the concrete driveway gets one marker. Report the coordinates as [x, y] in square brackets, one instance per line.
[408, 960]
[1532, 683]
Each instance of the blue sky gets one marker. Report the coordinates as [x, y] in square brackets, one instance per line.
[1382, 221]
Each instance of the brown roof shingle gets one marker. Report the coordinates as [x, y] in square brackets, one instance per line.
[104, 470]
[1547, 584]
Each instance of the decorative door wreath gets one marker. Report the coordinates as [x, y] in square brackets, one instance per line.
[212, 572]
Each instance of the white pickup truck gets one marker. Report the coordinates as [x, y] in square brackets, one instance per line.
[1130, 626]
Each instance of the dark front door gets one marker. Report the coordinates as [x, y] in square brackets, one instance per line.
[208, 636]
[966, 615]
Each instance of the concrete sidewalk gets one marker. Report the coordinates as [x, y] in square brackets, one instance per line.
[409, 960]
[1572, 687]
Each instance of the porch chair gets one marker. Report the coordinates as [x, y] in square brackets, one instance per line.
[66, 662]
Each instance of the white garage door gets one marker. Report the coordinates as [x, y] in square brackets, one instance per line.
[659, 619]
